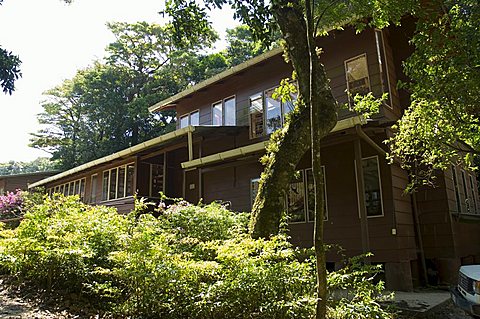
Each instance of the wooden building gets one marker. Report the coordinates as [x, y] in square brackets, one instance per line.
[10, 183]
[224, 124]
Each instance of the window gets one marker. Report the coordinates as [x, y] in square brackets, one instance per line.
[267, 114]
[296, 198]
[311, 195]
[356, 70]
[93, 188]
[373, 188]
[457, 190]
[254, 183]
[76, 187]
[256, 116]
[224, 112]
[300, 194]
[192, 118]
[473, 195]
[118, 182]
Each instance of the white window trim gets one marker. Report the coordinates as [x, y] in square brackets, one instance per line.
[260, 95]
[346, 75]
[188, 115]
[222, 103]
[116, 185]
[66, 188]
[380, 184]
[263, 96]
[305, 208]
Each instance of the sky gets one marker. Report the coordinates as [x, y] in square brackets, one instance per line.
[54, 40]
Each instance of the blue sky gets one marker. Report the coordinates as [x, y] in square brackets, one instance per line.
[54, 40]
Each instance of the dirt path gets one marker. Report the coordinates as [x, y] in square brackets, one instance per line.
[21, 304]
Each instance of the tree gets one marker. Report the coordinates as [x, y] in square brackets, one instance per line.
[316, 113]
[41, 164]
[9, 69]
[104, 107]
[442, 125]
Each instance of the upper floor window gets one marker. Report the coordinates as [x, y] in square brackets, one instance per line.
[267, 114]
[192, 118]
[356, 70]
[224, 112]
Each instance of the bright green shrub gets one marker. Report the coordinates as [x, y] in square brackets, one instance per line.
[61, 243]
[190, 262]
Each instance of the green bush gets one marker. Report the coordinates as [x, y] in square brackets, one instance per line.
[190, 262]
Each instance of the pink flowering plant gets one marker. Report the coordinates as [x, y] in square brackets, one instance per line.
[11, 205]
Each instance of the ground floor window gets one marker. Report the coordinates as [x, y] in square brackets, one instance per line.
[118, 182]
[76, 187]
[373, 187]
[300, 196]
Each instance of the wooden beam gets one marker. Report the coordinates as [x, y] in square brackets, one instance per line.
[361, 196]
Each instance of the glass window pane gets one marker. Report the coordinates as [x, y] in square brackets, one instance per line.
[77, 187]
[457, 190]
[288, 106]
[296, 199]
[274, 112]
[62, 189]
[230, 112]
[105, 185]
[93, 189]
[357, 75]
[71, 189]
[82, 189]
[113, 184]
[217, 117]
[130, 174]
[195, 118]
[256, 116]
[184, 121]
[254, 184]
[311, 194]
[373, 195]
[121, 182]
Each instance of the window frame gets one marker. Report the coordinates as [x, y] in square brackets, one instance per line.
[263, 95]
[380, 186]
[345, 63]
[109, 184]
[189, 117]
[70, 189]
[223, 110]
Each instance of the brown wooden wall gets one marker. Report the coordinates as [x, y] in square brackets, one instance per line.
[12, 183]
[338, 47]
[232, 183]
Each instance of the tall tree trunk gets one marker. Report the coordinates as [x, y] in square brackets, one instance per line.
[294, 141]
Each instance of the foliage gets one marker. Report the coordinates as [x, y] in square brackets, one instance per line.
[11, 204]
[442, 124]
[189, 262]
[104, 107]
[9, 70]
[40, 164]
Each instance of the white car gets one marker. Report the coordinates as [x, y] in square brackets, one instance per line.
[466, 294]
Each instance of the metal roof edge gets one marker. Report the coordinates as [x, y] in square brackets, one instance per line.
[252, 148]
[129, 151]
[216, 78]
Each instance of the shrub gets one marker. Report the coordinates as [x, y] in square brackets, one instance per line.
[11, 205]
[189, 262]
